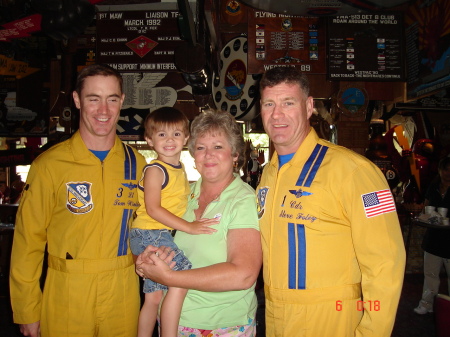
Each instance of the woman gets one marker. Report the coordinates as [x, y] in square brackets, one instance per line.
[226, 263]
[436, 241]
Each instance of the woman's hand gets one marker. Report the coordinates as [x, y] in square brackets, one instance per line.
[155, 263]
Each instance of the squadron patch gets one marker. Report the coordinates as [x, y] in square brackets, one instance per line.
[261, 200]
[79, 197]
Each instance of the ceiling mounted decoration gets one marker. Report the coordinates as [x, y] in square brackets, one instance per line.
[64, 19]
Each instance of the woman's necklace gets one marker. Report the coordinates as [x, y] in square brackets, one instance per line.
[203, 202]
[218, 194]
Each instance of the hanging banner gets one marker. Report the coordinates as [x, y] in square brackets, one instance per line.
[11, 67]
[21, 28]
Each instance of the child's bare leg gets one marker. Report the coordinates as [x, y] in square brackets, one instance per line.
[149, 311]
[171, 311]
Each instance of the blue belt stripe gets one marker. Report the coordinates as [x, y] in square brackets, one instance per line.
[307, 166]
[316, 166]
[297, 256]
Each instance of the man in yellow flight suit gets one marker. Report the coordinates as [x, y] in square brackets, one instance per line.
[78, 200]
[333, 253]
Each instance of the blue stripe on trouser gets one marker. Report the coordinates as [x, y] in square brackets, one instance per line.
[124, 230]
[297, 256]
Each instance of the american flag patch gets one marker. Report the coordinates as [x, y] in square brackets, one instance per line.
[377, 203]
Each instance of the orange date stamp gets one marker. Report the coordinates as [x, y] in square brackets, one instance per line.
[362, 305]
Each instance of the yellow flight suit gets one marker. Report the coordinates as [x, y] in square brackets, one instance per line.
[80, 207]
[332, 244]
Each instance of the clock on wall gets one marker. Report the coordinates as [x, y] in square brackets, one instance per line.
[352, 101]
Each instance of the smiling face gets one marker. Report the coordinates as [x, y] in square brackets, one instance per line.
[168, 141]
[213, 157]
[99, 102]
[285, 112]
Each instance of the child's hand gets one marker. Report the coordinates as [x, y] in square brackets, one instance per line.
[202, 226]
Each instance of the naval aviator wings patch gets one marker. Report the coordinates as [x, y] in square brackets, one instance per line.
[299, 193]
[79, 197]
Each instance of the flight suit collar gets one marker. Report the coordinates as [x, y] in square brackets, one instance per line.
[80, 150]
[307, 146]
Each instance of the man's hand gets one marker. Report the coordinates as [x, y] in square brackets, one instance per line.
[32, 329]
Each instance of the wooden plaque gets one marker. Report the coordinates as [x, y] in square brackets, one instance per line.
[289, 41]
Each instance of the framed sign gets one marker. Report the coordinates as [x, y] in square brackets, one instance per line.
[428, 48]
[279, 40]
[366, 47]
[138, 41]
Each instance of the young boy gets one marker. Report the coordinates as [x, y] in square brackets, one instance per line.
[163, 194]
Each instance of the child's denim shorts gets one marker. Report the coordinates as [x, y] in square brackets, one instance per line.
[141, 238]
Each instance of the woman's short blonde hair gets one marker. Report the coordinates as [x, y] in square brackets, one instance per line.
[217, 121]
